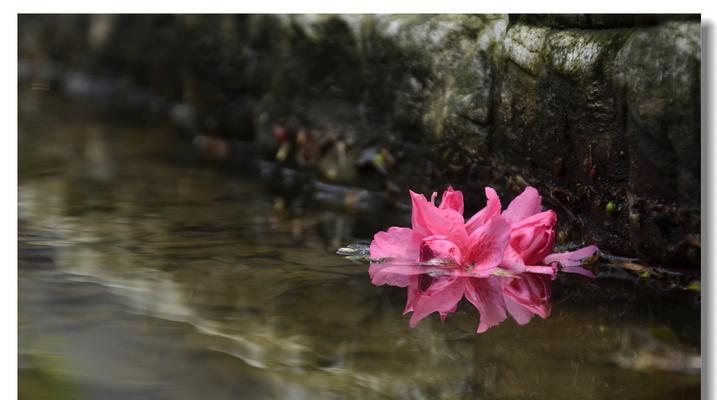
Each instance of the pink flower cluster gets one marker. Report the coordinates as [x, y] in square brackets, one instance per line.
[502, 262]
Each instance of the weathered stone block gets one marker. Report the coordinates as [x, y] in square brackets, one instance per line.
[591, 109]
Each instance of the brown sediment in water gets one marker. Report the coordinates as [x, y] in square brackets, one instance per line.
[144, 273]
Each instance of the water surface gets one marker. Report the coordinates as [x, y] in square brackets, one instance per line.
[146, 274]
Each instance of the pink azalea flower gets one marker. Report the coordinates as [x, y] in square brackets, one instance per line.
[500, 262]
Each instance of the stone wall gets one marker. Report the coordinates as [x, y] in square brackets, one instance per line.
[601, 113]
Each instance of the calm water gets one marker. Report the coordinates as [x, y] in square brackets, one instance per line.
[144, 274]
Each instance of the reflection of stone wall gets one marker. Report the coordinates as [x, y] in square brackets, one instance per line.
[591, 109]
[170, 281]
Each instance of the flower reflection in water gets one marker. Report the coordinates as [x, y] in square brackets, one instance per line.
[501, 262]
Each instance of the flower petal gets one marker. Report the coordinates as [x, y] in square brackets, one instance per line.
[534, 237]
[523, 206]
[570, 261]
[580, 271]
[527, 294]
[491, 209]
[551, 270]
[512, 261]
[428, 220]
[485, 295]
[414, 292]
[439, 247]
[487, 244]
[520, 314]
[396, 243]
[442, 296]
[394, 274]
[574, 257]
[452, 199]
[401, 247]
